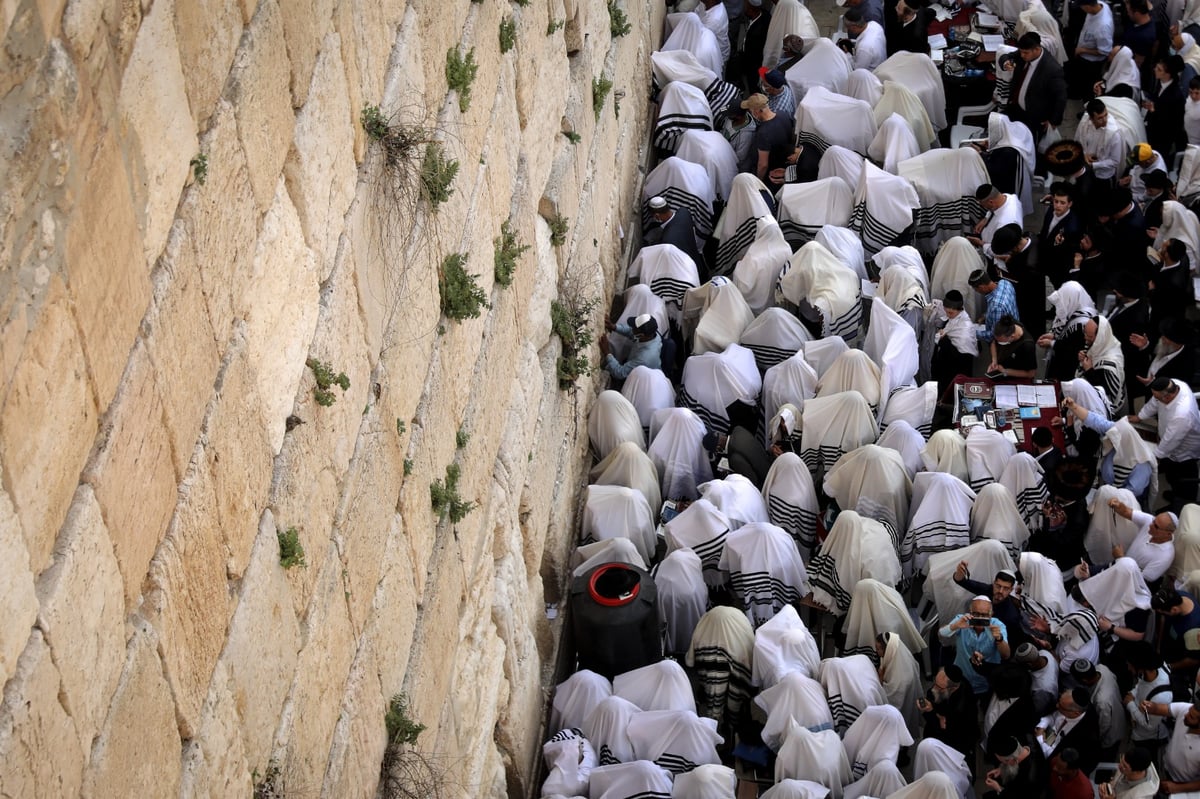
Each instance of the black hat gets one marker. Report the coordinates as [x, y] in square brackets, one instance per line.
[953, 673]
[1117, 200]
[1137, 758]
[1071, 479]
[1064, 158]
[953, 300]
[1129, 285]
[1156, 179]
[1176, 329]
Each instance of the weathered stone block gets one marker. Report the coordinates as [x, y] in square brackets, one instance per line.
[305, 23]
[214, 762]
[133, 475]
[394, 611]
[360, 736]
[18, 601]
[46, 428]
[82, 613]
[40, 754]
[208, 36]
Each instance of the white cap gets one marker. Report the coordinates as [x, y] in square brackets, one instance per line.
[657, 203]
[641, 319]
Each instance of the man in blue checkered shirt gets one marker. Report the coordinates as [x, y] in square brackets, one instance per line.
[1001, 300]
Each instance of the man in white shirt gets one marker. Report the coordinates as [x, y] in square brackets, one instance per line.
[870, 43]
[1095, 43]
[1103, 146]
[1145, 159]
[1181, 757]
[1153, 684]
[1000, 209]
[1178, 445]
[716, 18]
[1153, 545]
[1043, 668]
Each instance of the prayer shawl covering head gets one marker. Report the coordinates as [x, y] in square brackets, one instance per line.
[817, 278]
[681, 107]
[1187, 541]
[1109, 361]
[709, 781]
[606, 729]
[876, 736]
[629, 466]
[863, 85]
[1004, 132]
[659, 686]
[1036, 19]
[668, 271]
[816, 756]
[683, 184]
[648, 390]
[1117, 590]
[796, 789]
[995, 515]
[857, 548]
[613, 420]
[612, 550]
[824, 118]
[1122, 69]
[1179, 223]
[792, 501]
[913, 406]
[845, 244]
[804, 208]
[677, 452]
[1129, 449]
[690, 34]
[783, 645]
[822, 353]
[897, 100]
[619, 512]
[872, 481]
[833, 426]
[757, 272]
[714, 154]
[940, 520]
[701, 528]
[737, 498]
[854, 370]
[944, 182]
[917, 73]
[790, 17]
[892, 344]
[985, 558]
[881, 779]
[956, 259]
[838, 162]
[1073, 306]
[1105, 528]
[682, 598]
[667, 66]
[1042, 585]
[1128, 116]
[902, 682]
[639, 778]
[720, 653]
[773, 337]
[946, 452]
[724, 316]
[878, 608]
[940, 758]
[824, 67]
[933, 785]
[852, 685]
[575, 697]
[677, 740]
[790, 382]
[988, 452]
[795, 699]
[736, 228]
[765, 570]
[712, 381]
[905, 439]
[894, 142]
[570, 758]
[883, 207]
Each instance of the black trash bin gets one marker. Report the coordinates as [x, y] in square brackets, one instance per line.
[614, 617]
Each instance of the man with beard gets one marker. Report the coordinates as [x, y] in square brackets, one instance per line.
[1005, 606]
[980, 643]
[1072, 726]
[950, 710]
[1021, 773]
[1181, 756]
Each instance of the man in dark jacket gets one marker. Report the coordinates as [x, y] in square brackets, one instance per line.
[1058, 240]
[1072, 725]
[1021, 772]
[1038, 96]
[950, 710]
[746, 42]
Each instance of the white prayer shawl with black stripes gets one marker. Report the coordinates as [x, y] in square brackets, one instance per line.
[757, 272]
[833, 426]
[790, 382]
[575, 697]
[783, 645]
[881, 779]
[716, 19]
[845, 244]
[1117, 590]
[606, 727]
[914, 406]
[1129, 451]
[900, 435]
[612, 550]
[660, 686]
[639, 779]
[1179, 223]
[839, 162]
[804, 208]
[1005, 132]
[822, 353]
[918, 73]
[682, 598]
[824, 118]
[690, 34]
[713, 380]
[629, 466]
[1077, 631]
[900, 674]
[1109, 361]
[725, 316]
[985, 558]
[876, 736]
[946, 452]
[703, 529]
[894, 142]
[569, 759]
[684, 184]
[641, 299]
[784, 427]
[612, 421]
[792, 500]
[876, 608]
[709, 781]
[648, 390]
[1105, 528]
[677, 452]
[713, 152]
[854, 370]
[871, 480]
[795, 699]
[857, 548]
[765, 570]
[901, 291]
[1022, 476]
[897, 100]
[1042, 585]
[681, 107]
[667, 66]
[677, 740]
[669, 273]
[773, 337]
[1073, 307]
[618, 512]
[988, 452]
[863, 85]
[945, 763]
[720, 654]
[816, 756]
[737, 498]
[789, 18]
[883, 207]
[945, 182]
[852, 685]
[824, 67]
[940, 520]
[736, 228]
[891, 343]
[1188, 186]
[1036, 19]
[995, 516]
[956, 259]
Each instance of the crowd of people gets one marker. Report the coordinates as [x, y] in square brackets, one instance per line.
[859, 593]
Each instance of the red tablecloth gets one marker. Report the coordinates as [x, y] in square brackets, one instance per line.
[1048, 413]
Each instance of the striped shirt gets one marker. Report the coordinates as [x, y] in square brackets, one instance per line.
[1001, 302]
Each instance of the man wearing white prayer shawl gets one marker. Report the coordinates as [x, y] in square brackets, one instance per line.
[629, 466]
[792, 501]
[639, 299]
[677, 452]
[640, 778]
[824, 66]
[857, 548]
[874, 608]
[679, 65]
[816, 281]
[736, 228]
[612, 421]
[901, 291]
[1106, 528]
[606, 727]
[872, 481]
[783, 645]
[681, 107]
[883, 207]
[796, 789]
[946, 452]
[1036, 19]
[710, 781]
[1103, 145]
[863, 85]
[956, 259]
[683, 184]
[569, 759]
[790, 382]
[913, 406]
[714, 16]
[712, 151]
[900, 674]
[822, 352]
[1187, 188]
[833, 426]
[892, 344]
[935, 757]
[618, 512]
[897, 99]
[945, 182]
[789, 18]
[988, 453]
[682, 598]
[703, 529]
[1179, 223]
[985, 557]
[690, 34]
[1102, 363]
[773, 337]
[1042, 590]
[1116, 591]
[677, 740]
[1022, 476]
[933, 785]
[854, 370]
[816, 756]
[824, 118]
[720, 653]
[852, 685]
[712, 381]
[765, 570]
[737, 498]
[804, 208]
[905, 439]
[660, 686]
[757, 270]
[1077, 631]
[1006, 134]
[648, 390]
[668, 271]
[994, 515]
[917, 73]
[940, 520]
[714, 316]
[845, 244]
[882, 779]
[614, 550]
[875, 736]
[575, 697]
[839, 162]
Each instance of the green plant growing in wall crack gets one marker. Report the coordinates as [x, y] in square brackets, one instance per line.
[570, 320]
[601, 86]
[559, 225]
[618, 23]
[437, 175]
[508, 34]
[291, 551]
[445, 499]
[199, 165]
[462, 297]
[460, 74]
[326, 379]
[401, 729]
[507, 251]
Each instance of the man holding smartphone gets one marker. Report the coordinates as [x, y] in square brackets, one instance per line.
[980, 642]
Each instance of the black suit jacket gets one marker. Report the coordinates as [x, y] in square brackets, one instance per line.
[1056, 249]
[913, 37]
[1046, 97]
[1084, 738]
[1134, 319]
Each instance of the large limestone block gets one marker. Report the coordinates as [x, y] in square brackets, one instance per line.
[261, 652]
[208, 32]
[47, 425]
[214, 762]
[138, 752]
[157, 124]
[367, 33]
[359, 737]
[133, 475]
[281, 312]
[188, 600]
[108, 278]
[305, 23]
[40, 753]
[394, 611]
[260, 96]
[18, 601]
[82, 612]
[320, 168]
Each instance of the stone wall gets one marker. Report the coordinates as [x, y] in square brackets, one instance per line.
[157, 418]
